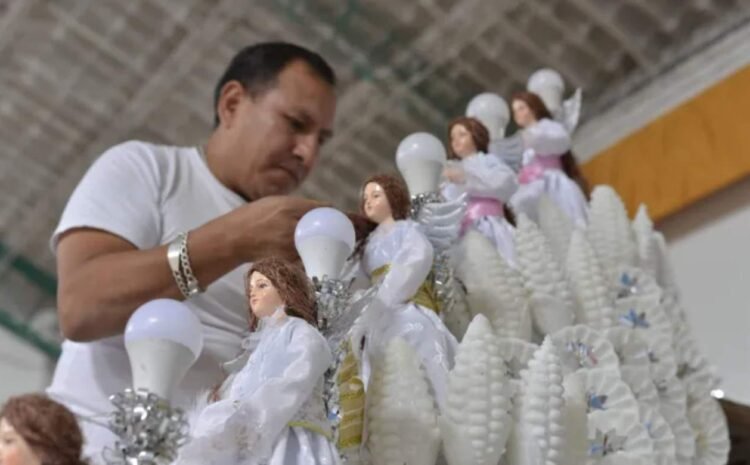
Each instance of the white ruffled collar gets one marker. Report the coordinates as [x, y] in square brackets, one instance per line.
[251, 341]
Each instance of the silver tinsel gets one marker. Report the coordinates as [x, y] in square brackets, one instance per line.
[335, 318]
[332, 300]
[417, 201]
[148, 429]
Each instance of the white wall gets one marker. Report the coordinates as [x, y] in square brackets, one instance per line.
[22, 368]
[709, 244]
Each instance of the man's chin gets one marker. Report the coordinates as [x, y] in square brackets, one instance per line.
[278, 188]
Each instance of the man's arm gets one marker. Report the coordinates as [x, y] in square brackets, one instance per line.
[103, 278]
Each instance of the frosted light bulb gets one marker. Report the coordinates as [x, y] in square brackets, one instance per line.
[324, 238]
[420, 158]
[163, 339]
[492, 111]
[548, 84]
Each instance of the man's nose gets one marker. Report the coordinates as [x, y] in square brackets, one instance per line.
[307, 148]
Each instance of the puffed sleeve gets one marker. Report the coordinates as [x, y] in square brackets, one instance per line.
[409, 266]
[547, 137]
[254, 421]
[488, 176]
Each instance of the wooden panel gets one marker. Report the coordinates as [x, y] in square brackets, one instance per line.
[685, 154]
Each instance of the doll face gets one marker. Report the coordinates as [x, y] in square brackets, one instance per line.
[264, 298]
[522, 114]
[462, 141]
[13, 448]
[376, 203]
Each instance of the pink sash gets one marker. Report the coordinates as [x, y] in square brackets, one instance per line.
[479, 207]
[538, 166]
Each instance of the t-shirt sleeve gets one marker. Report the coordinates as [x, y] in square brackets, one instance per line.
[119, 194]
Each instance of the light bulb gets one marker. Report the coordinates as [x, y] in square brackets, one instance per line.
[492, 111]
[324, 238]
[548, 84]
[420, 158]
[163, 339]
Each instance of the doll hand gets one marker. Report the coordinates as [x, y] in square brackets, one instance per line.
[371, 322]
[454, 173]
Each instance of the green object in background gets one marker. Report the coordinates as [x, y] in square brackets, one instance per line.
[44, 281]
[41, 278]
[26, 333]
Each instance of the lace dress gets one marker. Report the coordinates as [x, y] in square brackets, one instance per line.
[489, 183]
[271, 411]
[398, 259]
[545, 142]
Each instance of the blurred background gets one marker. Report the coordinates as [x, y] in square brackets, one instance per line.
[666, 120]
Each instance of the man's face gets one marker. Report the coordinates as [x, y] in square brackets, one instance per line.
[276, 136]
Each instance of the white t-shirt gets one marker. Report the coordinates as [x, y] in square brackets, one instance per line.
[147, 194]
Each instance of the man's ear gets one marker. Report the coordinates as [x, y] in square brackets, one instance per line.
[230, 97]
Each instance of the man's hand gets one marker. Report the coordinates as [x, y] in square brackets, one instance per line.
[265, 227]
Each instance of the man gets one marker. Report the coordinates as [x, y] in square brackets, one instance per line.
[120, 241]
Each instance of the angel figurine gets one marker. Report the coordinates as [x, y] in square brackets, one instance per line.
[270, 408]
[548, 165]
[489, 183]
[548, 84]
[397, 258]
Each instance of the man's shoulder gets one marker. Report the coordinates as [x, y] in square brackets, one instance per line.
[145, 158]
[141, 149]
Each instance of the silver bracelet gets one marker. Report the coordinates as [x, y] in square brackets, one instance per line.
[173, 257]
[192, 282]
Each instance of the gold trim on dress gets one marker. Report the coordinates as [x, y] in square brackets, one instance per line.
[425, 296]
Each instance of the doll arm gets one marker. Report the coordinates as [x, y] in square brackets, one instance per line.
[487, 176]
[547, 137]
[259, 416]
[408, 268]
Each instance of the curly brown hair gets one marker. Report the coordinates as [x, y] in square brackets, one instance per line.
[292, 284]
[569, 165]
[479, 134]
[398, 198]
[48, 427]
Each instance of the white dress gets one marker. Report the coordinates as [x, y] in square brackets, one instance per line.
[271, 411]
[489, 183]
[407, 254]
[545, 142]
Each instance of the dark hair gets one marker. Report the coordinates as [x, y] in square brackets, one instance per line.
[257, 66]
[479, 134]
[398, 198]
[48, 427]
[569, 164]
[292, 284]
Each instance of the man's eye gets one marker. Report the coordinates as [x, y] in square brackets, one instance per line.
[296, 123]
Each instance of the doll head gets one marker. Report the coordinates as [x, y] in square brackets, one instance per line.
[36, 430]
[528, 108]
[396, 198]
[467, 136]
[272, 282]
[384, 197]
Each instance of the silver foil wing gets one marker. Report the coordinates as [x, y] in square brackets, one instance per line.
[441, 221]
[509, 150]
[571, 111]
